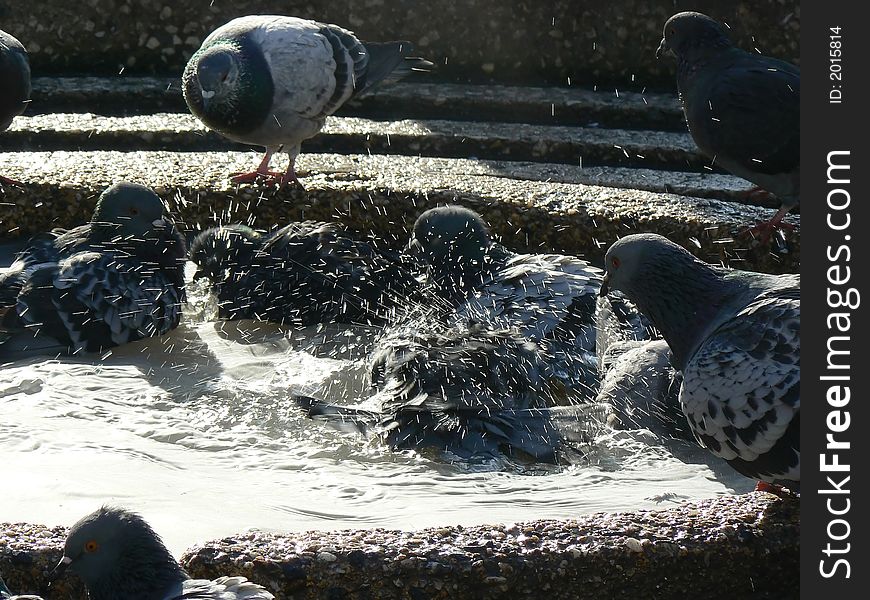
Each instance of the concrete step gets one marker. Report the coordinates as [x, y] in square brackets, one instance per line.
[529, 205]
[353, 135]
[607, 107]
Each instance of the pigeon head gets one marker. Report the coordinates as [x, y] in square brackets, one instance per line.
[450, 234]
[129, 209]
[218, 250]
[218, 73]
[227, 85]
[118, 555]
[677, 292]
[690, 34]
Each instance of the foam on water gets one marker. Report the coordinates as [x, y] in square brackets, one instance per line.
[196, 431]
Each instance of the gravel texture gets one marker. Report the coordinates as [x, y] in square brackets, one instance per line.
[384, 194]
[728, 547]
[603, 106]
[510, 42]
[507, 141]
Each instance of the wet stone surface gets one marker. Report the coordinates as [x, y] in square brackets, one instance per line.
[745, 546]
[384, 194]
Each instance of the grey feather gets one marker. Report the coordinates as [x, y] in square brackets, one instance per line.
[742, 108]
[735, 336]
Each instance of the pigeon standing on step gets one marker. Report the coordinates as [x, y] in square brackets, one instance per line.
[742, 108]
[735, 337]
[303, 274]
[545, 296]
[114, 280]
[271, 81]
[472, 392]
[14, 84]
[117, 555]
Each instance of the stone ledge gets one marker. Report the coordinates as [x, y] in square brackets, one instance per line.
[457, 139]
[727, 547]
[384, 194]
[608, 107]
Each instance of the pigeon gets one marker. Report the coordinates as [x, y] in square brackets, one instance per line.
[306, 273]
[5, 594]
[545, 296]
[735, 338]
[472, 393]
[114, 280]
[117, 555]
[742, 108]
[642, 388]
[15, 88]
[618, 322]
[271, 81]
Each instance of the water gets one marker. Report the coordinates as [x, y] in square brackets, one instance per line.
[196, 431]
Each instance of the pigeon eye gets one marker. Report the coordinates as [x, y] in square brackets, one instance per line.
[134, 211]
[615, 262]
[91, 546]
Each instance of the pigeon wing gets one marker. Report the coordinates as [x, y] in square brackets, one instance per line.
[741, 390]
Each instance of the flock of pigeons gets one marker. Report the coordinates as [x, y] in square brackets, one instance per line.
[482, 351]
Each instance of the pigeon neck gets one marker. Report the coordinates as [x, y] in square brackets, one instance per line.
[694, 55]
[683, 303]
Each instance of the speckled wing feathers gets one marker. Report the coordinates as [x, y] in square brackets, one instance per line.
[741, 390]
[539, 294]
[222, 588]
[93, 301]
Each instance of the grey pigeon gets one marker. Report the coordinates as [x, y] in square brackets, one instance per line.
[545, 296]
[114, 280]
[305, 273]
[642, 387]
[117, 555]
[14, 84]
[271, 81]
[5, 594]
[618, 322]
[475, 393]
[735, 337]
[742, 108]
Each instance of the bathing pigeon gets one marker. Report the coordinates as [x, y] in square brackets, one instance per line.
[735, 337]
[619, 322]
[545, 296]
[5, 594]
[271, 81]
[114, 280]
[305, 273]
[117, 555]
[14, 84]
[474, 392]
[642, 387]
[742, 108]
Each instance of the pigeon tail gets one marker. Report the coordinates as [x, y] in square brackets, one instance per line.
[342, 418]
[389, 62]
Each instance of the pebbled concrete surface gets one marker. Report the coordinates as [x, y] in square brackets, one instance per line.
[384, 194]
[728, 547]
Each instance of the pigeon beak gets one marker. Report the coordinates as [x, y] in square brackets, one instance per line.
[60, 568]
[663, 47]
[207, 95]
[159, 223]
[605, 285]
[415, 248]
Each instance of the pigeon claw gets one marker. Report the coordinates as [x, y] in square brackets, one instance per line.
[8, 181]
[775, 489]
[764, 231]
[276, 178]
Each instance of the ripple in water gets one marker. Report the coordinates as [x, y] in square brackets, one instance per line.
[196, 430]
